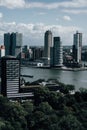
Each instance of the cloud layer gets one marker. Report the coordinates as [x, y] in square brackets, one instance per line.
[12, 3]
[34, 33]
[51, 5]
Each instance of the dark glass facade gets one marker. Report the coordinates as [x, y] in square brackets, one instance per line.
[13, 43]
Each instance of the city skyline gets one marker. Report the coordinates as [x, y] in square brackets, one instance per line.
[34, 17]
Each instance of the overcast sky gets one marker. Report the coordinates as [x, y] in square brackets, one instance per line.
[34, 17]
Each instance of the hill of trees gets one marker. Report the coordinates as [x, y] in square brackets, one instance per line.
[48, 110]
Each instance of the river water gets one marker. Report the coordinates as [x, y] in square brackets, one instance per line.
[77, 78]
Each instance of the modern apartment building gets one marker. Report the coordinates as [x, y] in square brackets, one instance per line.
[56, 53]
[13, 43]
[10, 78]
[77, 47]
[7, 43]
[48, 42]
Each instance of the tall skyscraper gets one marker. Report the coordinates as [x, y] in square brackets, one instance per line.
[77, 47]
[56, 53]
[47, 44]
[13, 43]
[10, 76]
[7, 43]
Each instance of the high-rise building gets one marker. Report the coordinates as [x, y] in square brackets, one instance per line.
[13, 43]
[37, 52]
[56, 53]
[7, 43]
[77, 47]
[48, 43]
[10, 76]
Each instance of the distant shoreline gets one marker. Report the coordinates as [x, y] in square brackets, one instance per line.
[57, 68]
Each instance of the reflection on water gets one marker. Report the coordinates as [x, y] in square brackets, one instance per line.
[77, 78]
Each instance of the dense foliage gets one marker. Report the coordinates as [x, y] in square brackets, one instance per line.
[48, 110]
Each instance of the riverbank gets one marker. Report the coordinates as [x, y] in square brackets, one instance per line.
[77, 77]
[57, 68]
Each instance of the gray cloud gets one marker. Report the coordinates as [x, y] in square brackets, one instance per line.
[67, 18]
[34, 33]
[52, 5]
[75, 11]
[12, 3]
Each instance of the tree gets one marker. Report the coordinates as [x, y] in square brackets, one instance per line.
[5, 125]
[70, 87]
[13, 113]
[28, 106]
[45, 107]
[70, 122]
[40, 95]
[16, 115]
